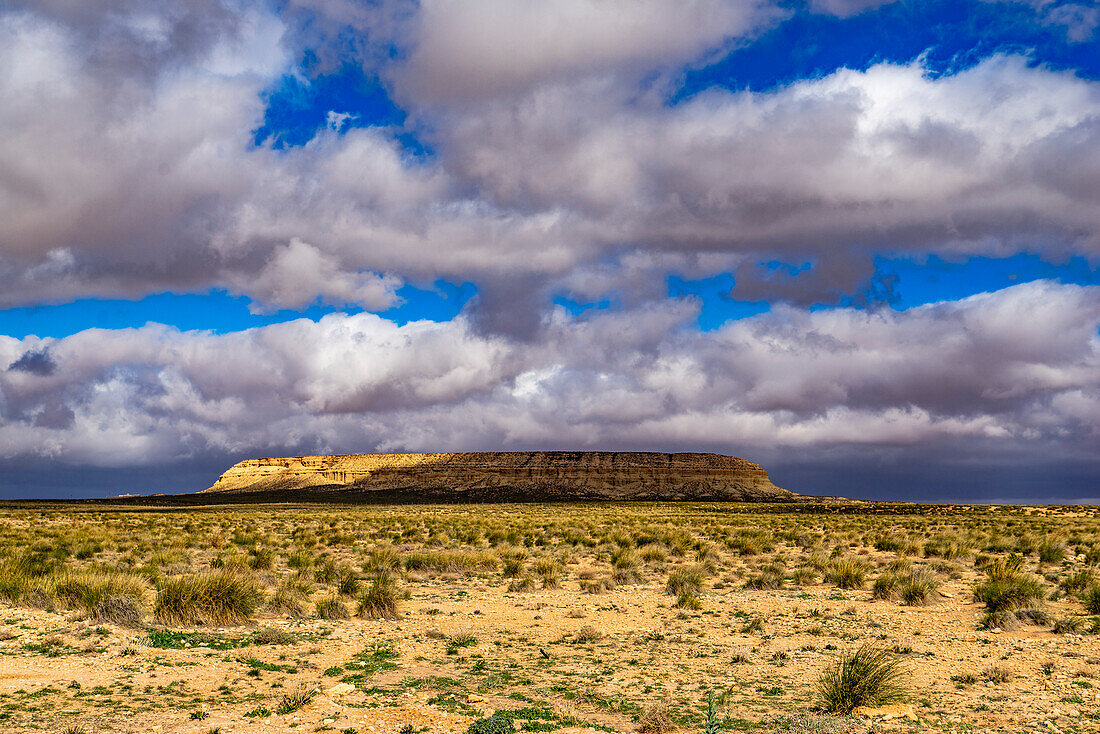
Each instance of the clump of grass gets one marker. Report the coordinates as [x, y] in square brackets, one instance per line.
[379, 601]
[997, 674]
[1069, 626]
[296, 698]
[687, 600]
[597, 586]
[118, 598]
[525, 584]
[1051, 550]
[1033, 616]
[688, 579]
[121, 610]
[288, 599]
[588, 633]
[1091, 600]
[1007, 588]
[1001, 620]
[460, 638]
[868, 676]
[215, 597]
[655, 719]
[847, 573]
[330, 607]
[916, 587]
[548, 571]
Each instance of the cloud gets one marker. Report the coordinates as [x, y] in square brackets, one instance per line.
[1011, 373]
[463, 50]
[34, 363]
[127, 164]
[298, 273]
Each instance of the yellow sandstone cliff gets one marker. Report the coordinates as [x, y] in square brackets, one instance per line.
[512, 475]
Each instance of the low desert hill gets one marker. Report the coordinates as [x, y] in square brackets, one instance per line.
[504, 476]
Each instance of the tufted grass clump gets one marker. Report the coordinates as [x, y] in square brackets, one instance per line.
[221, 597]
[685, 580]
[1091, 600]
[330, 607]
[916, 587]
[847, 573]
[379, 601]
[296, 698]
[108, 596]
[1007, 587]
[868, 676]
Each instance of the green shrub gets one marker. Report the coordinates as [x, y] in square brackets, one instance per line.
[494, 724]
[868, 676]
[216, 597]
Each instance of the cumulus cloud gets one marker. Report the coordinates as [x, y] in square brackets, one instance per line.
[130, 183]
[1014, 370]
[468, 49]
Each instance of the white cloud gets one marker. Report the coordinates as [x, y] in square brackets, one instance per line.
[1016, 369]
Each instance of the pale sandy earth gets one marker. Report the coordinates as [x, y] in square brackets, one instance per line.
[511, 628]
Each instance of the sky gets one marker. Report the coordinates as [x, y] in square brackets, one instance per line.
[856, 241]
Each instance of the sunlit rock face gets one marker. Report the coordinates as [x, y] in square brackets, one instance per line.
[513, 475]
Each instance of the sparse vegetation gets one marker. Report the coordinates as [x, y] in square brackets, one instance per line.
[868, 676]
[738, 600]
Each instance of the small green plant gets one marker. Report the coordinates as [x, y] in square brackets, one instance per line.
[296, 698]
[494, 724]
[868, 676]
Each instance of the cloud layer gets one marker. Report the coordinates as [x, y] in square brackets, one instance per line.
[1011, 371]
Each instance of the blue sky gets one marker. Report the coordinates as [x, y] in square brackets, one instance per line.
[472, 206]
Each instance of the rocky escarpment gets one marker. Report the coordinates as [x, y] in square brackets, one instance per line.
[517, 475]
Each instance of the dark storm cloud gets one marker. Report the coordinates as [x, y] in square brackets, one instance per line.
[34, 363]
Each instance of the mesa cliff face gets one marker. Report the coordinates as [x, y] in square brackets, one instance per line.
[514, 475]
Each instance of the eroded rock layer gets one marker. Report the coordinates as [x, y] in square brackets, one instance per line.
[513, 475]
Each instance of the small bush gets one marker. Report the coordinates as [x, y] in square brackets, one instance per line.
[847, 573]
[492, 725]
[215, 597]
[689, 579]
[330, 607]
[868, 676]
[296, 698]
[379, 601]
[655, 719]
[1091, 600]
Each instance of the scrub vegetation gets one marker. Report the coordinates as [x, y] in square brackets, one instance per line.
[831, 617]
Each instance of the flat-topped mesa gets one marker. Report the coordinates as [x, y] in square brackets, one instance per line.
[508, 475]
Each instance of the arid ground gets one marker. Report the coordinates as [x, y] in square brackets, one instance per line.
[613, 617]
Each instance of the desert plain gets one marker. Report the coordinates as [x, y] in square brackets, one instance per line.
[599, 617]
